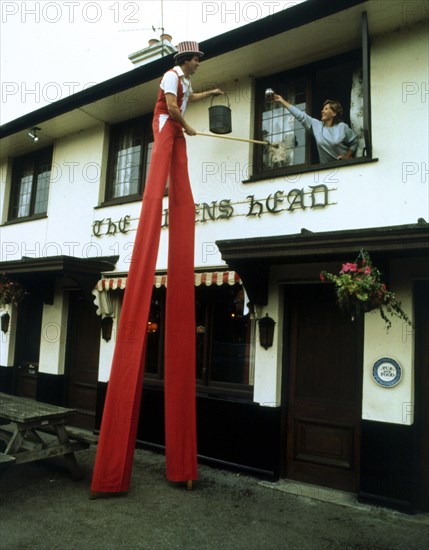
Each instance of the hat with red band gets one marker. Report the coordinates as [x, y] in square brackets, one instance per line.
[188, 47]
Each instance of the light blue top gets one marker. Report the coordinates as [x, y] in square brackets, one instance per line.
[332, 141]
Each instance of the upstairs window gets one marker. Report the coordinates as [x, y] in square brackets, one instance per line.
[129, 157]
[31, 176]
[338, 78]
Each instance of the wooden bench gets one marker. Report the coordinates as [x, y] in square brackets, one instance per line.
[37, 430]
[76, 434]
[83, 436]
[6, 460]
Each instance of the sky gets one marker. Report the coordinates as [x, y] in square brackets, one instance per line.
[51, 49]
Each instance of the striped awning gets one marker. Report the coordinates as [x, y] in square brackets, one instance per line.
[105, 304]
[217, 278]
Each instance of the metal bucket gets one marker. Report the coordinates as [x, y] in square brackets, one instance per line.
[220, 118]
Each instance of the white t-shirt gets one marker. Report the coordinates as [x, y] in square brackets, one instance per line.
[169, 85]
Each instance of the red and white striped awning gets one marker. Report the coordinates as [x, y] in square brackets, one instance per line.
[217, 278]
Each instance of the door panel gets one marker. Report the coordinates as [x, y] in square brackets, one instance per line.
[83, 355]
[324, 364]
[27, 349]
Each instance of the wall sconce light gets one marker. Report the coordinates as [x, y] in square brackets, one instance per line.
[106, 328]
[266, 331]
[5, 318]
[33, 133]
[152, 327]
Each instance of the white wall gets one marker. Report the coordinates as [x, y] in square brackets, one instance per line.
[392, 404]
[7, 340]
[390, 191]
[54, 333]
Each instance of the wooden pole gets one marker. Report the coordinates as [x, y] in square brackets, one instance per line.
[234, 138]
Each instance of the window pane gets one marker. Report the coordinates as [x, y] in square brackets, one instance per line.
[129, 157]
[148, 157]
[281, 129]
[127, 171]
[231, 337]
[155, 329]
[24, 196]
[30, 184]
[42, 190]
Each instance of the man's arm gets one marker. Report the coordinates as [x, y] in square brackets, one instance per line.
[202, 95]
[176, 114]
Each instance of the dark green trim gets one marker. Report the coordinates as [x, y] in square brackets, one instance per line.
[59, 264]
[400, 241]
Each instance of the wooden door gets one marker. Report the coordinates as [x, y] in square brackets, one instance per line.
[27, 348]
[323, 366]
[83, 344]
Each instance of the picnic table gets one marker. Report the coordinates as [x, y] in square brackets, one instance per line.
[33, 430]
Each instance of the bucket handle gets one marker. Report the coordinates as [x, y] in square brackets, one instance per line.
[220, 95]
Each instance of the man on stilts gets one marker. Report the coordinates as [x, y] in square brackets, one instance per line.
[113, 465]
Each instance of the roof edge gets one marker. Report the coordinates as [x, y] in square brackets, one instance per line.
[285, 20]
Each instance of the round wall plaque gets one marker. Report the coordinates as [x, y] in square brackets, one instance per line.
[386, 372]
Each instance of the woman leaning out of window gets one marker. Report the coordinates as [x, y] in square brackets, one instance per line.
[335, 140]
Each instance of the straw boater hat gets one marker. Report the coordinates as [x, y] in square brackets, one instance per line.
[188, 47]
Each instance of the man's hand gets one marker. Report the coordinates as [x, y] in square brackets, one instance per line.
[189, 130]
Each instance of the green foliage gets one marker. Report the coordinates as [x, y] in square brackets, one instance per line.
[359, 289]
[11, 292]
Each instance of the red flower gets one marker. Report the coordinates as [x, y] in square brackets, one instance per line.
[349, 267]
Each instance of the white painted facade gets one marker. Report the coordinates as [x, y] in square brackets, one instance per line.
[391, 191]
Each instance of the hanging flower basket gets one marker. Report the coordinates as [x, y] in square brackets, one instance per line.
[359, 289]
[11, 292]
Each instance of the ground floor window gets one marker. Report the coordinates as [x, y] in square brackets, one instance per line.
[223, 336]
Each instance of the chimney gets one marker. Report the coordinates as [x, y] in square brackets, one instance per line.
[155, 50]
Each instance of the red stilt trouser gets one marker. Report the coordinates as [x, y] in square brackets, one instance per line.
[113, 464]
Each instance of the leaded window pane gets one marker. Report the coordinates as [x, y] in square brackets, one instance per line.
[42, 191]
[31, 176]
[129, 158]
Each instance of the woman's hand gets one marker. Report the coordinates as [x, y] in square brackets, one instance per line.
[348, 155]
[279, 99]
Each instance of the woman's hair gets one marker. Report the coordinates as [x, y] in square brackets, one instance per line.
[336, 106]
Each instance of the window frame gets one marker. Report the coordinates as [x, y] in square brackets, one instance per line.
[205, 385]
[365, 53]
[37, 159]
[307, 72]
[143, 122]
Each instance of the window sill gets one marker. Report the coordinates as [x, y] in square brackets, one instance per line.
[301, 169]
[119, 201]
[236, 393]
[26, 219]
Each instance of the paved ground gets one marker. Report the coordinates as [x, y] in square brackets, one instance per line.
[42, 508]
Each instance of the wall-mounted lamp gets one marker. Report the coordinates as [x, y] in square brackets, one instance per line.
[106, 328]
[4, 320]
[152, 327]
[33, 133]
[266, 331]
